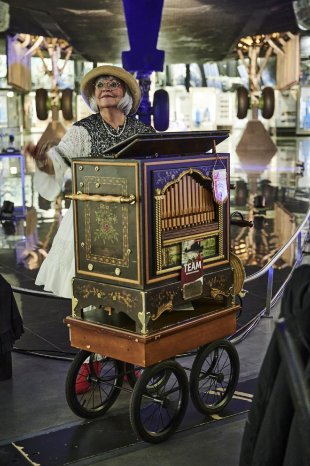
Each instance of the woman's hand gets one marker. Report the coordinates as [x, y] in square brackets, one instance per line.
[40, 156]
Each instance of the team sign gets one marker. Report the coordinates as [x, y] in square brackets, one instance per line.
[192, 265]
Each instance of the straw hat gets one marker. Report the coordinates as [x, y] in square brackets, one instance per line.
[87, 83]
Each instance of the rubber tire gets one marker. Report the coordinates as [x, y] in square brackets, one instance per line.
[66, 104]
[160, 413]
[112, 381]
[242, 102]
[268, 102]
[161, 110]
[199, 374]
[41, 104]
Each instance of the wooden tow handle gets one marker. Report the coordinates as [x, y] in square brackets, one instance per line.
[131, 199]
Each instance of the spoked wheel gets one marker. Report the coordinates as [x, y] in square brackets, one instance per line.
[214, 376]
[93, 384]
[155, 414]
[133, 373]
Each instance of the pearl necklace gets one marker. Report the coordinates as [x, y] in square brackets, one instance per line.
[110, 132]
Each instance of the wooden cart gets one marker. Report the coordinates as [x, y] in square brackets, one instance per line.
[154, 279]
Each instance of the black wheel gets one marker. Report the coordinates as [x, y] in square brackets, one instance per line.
[41, 104]
[156, 414]
[66, 104]
[214, 376]
[268, 102]
[242, 102]
[93, 384]
[161, 110]
[133, 373]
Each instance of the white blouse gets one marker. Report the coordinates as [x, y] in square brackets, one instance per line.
[58, 268]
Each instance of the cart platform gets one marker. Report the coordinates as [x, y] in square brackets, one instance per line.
[145, 350]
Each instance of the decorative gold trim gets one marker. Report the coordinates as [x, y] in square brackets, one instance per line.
[104, 162]
[189, 171]
[167, 242]
[227, 206]
[75, 220]
[158, 197]
[135, 165]
[163, 308]
[190, 159]
[158, 220]
[122, 183]
[238, 271]
[74, 303]
[215, 258]
[138, 228]
[144, 320]
[109, 277]
[221, 239]
[215, 293]
[179, 267]
[146, 212]
[162, 272]
[131, 199]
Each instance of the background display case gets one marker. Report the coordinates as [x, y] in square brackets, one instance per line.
[303, 111]
[12, 181]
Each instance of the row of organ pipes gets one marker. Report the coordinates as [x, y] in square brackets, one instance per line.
[186, 202]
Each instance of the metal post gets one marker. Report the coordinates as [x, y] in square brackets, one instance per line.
[269, 292]
[299, 248]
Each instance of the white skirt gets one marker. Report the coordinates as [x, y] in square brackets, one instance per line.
[58, 269]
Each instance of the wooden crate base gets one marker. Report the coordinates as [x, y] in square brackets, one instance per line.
[145, 350]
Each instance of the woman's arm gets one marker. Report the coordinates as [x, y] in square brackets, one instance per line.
[52, 164]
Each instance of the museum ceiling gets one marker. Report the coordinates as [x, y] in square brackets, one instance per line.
[192, 31]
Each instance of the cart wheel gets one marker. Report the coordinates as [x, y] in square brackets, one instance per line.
[156, 414]
[161, 110]
[41, 104]
[268, 102]
[242, 102]
[133, 374]
[214, 376]
[93, 384]
[66, 104]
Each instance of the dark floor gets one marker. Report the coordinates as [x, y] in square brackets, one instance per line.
[39, 423]
[36, 417]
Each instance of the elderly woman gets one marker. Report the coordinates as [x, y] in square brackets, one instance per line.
[113, 94]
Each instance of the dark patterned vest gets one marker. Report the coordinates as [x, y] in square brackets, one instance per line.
[102, 138]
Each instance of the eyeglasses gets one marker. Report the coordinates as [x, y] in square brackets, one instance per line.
[108, 84]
